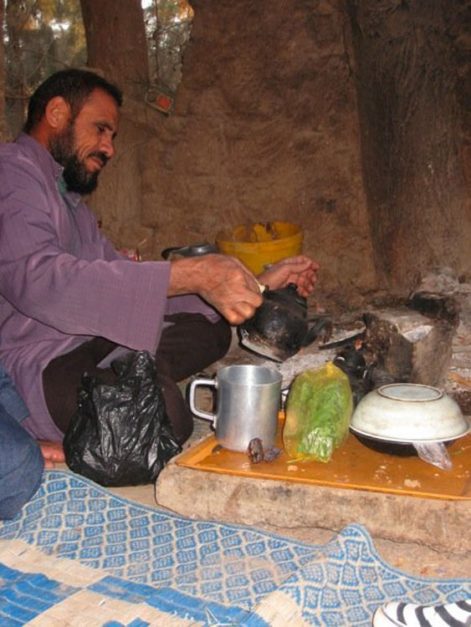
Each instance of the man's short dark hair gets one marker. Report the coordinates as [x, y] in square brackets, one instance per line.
[75, 86]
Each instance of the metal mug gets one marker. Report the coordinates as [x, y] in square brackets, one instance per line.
[247, 404]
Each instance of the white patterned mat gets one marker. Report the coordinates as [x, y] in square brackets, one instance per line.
[79, 555]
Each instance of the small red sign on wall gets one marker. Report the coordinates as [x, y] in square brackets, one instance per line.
[160, 99]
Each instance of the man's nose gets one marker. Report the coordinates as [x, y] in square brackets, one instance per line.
[107, 146]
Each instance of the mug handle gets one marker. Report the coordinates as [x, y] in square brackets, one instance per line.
[199, 412]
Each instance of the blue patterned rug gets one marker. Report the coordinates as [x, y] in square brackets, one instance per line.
[79, 555]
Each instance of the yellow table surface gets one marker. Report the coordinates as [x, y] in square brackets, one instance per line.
[353, 466]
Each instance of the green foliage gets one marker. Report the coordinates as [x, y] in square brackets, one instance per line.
[172, 26]
[46, 34]
[40, 37]
[43, 36]
[318, 412]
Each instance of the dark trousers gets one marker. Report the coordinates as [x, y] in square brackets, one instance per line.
[188, 346]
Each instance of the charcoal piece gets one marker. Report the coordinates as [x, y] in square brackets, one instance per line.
[255, 451]
[258, 454]
[436, 306]
[352, 362]
[271, 454]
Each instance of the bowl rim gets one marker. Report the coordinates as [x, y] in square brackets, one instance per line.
[383, 438]
[435, 394]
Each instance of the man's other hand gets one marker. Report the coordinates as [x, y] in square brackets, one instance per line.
[300, 270]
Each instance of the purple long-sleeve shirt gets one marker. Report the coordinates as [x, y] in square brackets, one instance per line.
[62, 282]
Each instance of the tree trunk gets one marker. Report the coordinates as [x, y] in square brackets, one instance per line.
[16, 81]
[109, 23]
[3, 132]
[412, 137]
[117, 45]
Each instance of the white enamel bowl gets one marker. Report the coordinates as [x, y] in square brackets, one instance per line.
[408, 413]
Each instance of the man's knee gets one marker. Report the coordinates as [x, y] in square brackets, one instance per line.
[223, 337]
[190, 344]
[21, 466]
[177, 411]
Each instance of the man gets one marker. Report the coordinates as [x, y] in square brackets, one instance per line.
[21, 462]
[69, 302]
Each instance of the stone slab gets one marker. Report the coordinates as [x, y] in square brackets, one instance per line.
[441, 525]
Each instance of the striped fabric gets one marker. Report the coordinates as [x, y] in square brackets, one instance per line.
[410, 615]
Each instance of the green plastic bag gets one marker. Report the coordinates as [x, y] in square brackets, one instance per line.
[318, 412]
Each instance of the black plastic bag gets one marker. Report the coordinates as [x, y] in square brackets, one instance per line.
[121, 434]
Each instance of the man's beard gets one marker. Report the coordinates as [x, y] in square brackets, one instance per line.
[76, 176]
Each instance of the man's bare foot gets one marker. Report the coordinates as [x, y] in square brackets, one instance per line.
[53, 453]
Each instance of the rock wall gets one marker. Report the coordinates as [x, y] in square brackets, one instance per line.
[411, 69]
[265, 127]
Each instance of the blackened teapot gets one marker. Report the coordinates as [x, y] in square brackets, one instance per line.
[280, 326]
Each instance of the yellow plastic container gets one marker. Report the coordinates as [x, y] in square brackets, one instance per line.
[261, 244]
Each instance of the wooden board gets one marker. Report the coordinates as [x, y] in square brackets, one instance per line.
[353, 466]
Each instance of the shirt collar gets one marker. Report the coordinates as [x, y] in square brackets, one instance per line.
[49, 165]
[72, 198]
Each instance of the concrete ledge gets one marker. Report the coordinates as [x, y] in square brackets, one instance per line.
[442, 525]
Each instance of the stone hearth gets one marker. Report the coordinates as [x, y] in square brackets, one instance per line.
[438, 528]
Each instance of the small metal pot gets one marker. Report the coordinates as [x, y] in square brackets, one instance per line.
[193, 250]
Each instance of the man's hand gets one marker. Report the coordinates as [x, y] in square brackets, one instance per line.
[300, 270]
[223, 281]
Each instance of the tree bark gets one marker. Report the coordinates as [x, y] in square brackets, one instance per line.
[112, 23]
[412, 137]
[16, 81]
[3, 132]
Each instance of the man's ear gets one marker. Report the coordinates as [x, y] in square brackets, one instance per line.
[57, 113]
